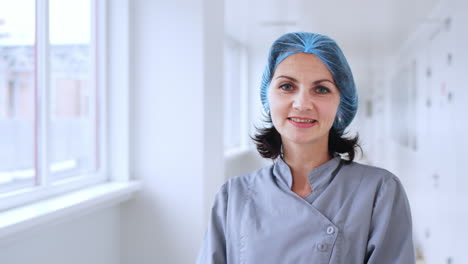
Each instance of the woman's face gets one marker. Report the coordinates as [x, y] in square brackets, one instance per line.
[303, 99]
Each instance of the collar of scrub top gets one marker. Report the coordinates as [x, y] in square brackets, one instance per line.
[319, 177]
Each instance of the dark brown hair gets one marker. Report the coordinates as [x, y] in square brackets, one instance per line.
[268, 142]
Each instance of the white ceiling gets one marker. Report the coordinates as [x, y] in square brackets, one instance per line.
[361, 27]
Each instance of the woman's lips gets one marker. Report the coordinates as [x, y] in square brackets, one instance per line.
[302, 124]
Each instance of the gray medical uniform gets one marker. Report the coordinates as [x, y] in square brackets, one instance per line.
[355, 214]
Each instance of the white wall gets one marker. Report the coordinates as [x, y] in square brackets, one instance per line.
[176, 128]
[92, 238]
[434, 173]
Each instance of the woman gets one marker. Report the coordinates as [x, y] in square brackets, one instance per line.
[310, 206]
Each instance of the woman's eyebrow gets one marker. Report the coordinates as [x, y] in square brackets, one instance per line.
[287, 77]
[324, 80]
[315, 82]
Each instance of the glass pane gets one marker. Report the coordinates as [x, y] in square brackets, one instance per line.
[72, 113]
[17, 93]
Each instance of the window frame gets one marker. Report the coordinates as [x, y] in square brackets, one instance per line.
[45, 189]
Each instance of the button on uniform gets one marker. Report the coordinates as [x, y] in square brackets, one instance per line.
[330, 230]
[322, 247]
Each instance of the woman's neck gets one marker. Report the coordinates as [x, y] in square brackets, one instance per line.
[305, 157]
[301, 159]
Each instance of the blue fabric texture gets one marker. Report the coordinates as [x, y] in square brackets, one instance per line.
[328, 51]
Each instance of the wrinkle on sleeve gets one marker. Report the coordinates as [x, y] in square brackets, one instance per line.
[390, 238]
[213, 250]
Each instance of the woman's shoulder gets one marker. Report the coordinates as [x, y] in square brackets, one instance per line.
[242, 185]
[368, 169]
[247, 179]
[372, 175]
[236, 190]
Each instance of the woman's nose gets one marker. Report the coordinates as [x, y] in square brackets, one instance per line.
[302, 102]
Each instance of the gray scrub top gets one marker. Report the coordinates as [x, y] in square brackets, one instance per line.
[355, 214]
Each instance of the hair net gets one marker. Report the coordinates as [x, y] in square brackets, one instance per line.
[331, 55]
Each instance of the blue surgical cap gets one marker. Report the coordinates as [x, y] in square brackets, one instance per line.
[331, 55]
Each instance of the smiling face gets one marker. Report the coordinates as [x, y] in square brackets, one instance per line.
[303, 100]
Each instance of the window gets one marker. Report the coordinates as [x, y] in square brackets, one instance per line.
[17, 77]
[235, 95]
[72, 89]
[51, 97]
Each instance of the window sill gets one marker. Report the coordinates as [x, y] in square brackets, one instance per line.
[72, 204]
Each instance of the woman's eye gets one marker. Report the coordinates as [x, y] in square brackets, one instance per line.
[286, 87]
[322, 90]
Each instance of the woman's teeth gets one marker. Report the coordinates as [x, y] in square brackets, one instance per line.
[302, 120]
